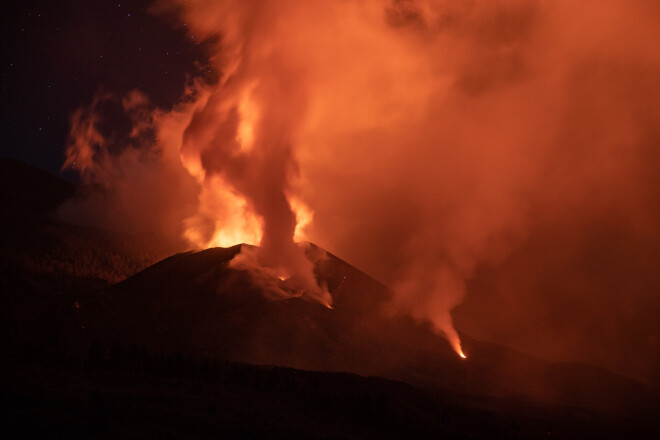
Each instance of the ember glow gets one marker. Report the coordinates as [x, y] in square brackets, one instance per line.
[419, 140]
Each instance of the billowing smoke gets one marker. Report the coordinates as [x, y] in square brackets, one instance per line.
[429, 139]
[130, 166]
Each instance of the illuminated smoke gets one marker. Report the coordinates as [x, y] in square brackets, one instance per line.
[131, 181]
[422, 138]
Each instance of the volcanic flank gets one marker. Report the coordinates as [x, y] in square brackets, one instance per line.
[195, 303]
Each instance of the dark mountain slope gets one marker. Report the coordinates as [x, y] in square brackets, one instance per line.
[193, 303]
[136, 394]
[45, 261]
[29, 193]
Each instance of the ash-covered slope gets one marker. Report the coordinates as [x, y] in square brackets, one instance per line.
[194, 303]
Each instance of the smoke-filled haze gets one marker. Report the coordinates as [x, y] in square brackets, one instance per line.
[499, 155]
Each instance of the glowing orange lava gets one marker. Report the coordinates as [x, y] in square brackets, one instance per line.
[456, 345]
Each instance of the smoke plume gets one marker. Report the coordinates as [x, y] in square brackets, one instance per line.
[429, 139]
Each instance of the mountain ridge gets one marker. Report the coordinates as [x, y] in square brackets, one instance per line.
[193, 302]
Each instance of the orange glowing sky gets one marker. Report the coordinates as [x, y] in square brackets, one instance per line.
[499, 155]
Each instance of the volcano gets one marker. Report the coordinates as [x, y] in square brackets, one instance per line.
[190, 346]
[195, 303]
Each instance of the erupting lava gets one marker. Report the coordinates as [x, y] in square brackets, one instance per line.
[455, 342]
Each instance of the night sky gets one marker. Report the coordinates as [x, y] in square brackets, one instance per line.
[57, 55]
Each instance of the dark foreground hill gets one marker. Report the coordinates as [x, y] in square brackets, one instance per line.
[137, 394]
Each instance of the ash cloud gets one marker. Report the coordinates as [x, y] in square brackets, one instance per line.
[130, 171]
[474, 153]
